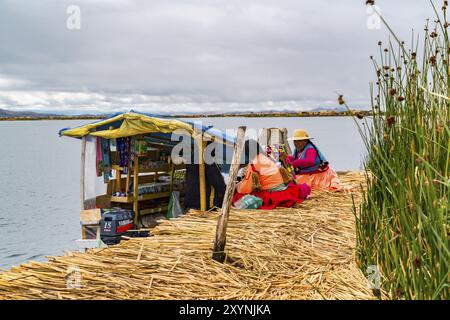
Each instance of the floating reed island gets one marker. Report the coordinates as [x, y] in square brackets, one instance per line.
[307, 252]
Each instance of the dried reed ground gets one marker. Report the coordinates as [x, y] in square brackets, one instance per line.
[297, 253]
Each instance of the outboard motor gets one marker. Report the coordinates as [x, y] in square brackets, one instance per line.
[115, 222]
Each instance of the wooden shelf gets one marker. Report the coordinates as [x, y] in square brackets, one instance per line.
[145, 154]
[151, 196]
[164, 168]
[143, 197]
[133, 175]
[128, 199]
[144, 212]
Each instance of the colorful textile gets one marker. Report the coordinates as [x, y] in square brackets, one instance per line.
[98, 157]
[268, 174]
[106, 160]
[292, 195]
[281, 187]
[328, 180]
[123, 145]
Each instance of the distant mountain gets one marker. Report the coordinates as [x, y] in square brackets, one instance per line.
[338, 109]
[33, 114]
[11, 114]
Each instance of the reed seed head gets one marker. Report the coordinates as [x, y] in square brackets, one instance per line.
[432, 60]
[417, 262]
[390, 121]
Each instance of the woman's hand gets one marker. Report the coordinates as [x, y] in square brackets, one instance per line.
[289, 159]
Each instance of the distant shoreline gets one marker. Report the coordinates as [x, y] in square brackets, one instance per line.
[330, 113]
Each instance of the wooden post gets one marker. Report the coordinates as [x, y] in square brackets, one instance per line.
[221, 230]
[136, 190]
[285, 141]
[201, 170]
[262, 139]
[127, 183]
[82, 169]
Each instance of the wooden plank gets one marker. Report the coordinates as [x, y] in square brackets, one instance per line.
[269, 137]
[153, 210]
[151, 196]
[117, 187]
[221, 230]
[262, 139]
[143, 197]
[275, 136]
[128, 199]
[164, 168]
[90, 217]
[285, 141]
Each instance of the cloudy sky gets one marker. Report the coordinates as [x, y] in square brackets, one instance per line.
[193, 55]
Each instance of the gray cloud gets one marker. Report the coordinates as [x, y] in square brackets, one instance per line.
[193, 55]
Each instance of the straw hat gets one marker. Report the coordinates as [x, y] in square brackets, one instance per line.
[300, 134]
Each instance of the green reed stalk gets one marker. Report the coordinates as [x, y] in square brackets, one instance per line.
[403, 224]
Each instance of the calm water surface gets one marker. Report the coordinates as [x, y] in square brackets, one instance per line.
[40, 174]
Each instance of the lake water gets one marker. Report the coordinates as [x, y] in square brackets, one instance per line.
[40, 176]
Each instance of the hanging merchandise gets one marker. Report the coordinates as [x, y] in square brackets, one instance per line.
[113, 145]
[106, 160]
[132, 148]
[123, 145]
[98, 157]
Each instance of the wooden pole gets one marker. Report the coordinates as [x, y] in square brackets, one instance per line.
[82, 170]
[201, 170]
[221, 230]
[136, 190]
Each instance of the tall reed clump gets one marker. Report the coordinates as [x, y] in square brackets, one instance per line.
[403, 225]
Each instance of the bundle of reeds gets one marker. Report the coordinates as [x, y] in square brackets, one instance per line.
[294, 253]
[403, 226]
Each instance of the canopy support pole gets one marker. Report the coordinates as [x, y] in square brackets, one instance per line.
[136, 189]
[82, 171]
[221, 230]
[201, 170]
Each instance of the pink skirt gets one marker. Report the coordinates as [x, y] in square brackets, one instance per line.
[327, 180]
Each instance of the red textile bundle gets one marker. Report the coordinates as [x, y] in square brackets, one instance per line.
[295, 193]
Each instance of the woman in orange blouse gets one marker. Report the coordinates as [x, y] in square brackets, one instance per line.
[264, 180]
[268, 173]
